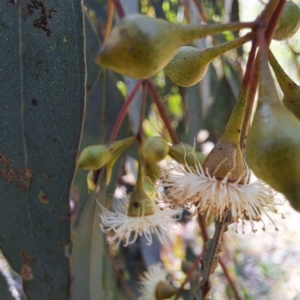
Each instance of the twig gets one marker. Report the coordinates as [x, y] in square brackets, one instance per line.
[246, 82]
[142, 110]
[110, 15]
[119, 8]
[162, 111]
[201, 11]
[267, 13]
[119, 275]
[229, 279]
[254, 76]
[189, 275]
[201, 222]
[211, 254]
[205, 20]
[123, 112]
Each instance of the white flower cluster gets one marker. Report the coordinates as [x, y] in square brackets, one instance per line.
[127, 228]
[189, 187]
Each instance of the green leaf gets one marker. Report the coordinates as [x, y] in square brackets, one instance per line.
[220, 109]
[103, 106]
[99, 7]
[42, 76]
[92, 47]
[88, 250]
[10, 282]
[92, 274]
[88, 254]
[4, 292]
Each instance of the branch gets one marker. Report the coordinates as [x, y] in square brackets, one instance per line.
[254, 76]
[189, 275]
[162, 111]
[123, 112]
[142, 111]
[229, 279]
[119, 8]
[110, 15]
[211, 255]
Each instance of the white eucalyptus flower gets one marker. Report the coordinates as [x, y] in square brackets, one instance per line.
[186, 186]
[154, 284]
[128, 227]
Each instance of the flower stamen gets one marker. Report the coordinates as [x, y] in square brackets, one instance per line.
[192, 186]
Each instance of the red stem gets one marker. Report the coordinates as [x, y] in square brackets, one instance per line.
[247, 81]
[274, 21]
[110, 16]
[254, 76]
[162, 112]
[201, 11]
[142, 111]
[123, 111]
[119, 8]
[230, 279]
[189, 275]
[202, 226]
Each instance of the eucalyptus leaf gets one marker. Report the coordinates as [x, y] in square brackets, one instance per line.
[88, 250]
[42, 77]
[4, 291]
[103, 105]
[11, 282]
[92, 47]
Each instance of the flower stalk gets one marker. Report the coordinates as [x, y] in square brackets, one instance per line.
[210, 256]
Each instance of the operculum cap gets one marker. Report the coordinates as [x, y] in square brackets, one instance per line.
[225, 159]
[155, 149]
[289, 22]
[179, 151]
[140, 204]
[93, 157]
[273, 146]
[164, 290]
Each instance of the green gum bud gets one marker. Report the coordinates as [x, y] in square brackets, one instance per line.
[190, 64]
[155, 149]
[140, 203]
[289, 22]
[119, 148]
[152, 171]
[192, 159]
[93, 157]
[186, 266]
[164, 290]
[185, 155]
[124, 143]
[273, 147]
[226, 157]
[179, 151]
[291, 91]
[140, 46]
[90, 182]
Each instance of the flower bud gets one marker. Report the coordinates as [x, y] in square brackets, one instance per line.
[90, 182]
[289, 22]
[273, 147]
[93, 157]
[190, 64]
[165, 290]
[152, 171]
[185, 154]
[291, 91]
[155, 149]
